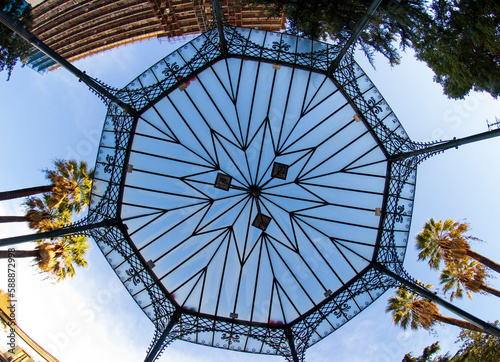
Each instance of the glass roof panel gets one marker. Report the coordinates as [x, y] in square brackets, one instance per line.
[266, 246]
[252, 191]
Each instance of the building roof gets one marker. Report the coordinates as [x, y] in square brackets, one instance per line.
[78, 28]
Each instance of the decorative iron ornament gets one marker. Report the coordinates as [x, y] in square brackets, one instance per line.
[281, 45]
[231, 337]
[133, 276]
[110, 161]
[101, 96]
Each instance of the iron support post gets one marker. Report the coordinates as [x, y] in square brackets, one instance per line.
[155, 351]
[355, 34]
[37, 43]
[447, 145]
[54, 233]
[291, 343]
[487, 327]
[220, 27]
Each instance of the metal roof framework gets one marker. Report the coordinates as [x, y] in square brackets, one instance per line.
[135, 145]
[144, 146]
[279, 154]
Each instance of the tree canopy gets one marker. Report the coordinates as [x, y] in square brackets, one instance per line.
[465, 275]
[428, 355]
[71, 183]
[57, 258]
[447, 240]
[459, 40]
[462, 46]
[69, 193]
[479, 347]
[393, 24]
[411, 310]
[13, 47]
[476, 347]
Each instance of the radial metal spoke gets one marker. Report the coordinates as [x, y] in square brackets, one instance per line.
[169, 229]
[174, 268]
[335, 153]
[317, 125]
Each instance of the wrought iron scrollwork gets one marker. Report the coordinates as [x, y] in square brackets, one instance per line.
[374, 106]
[398, 217]
[281, 45]
[231, 337]
[99, 93]
[133, 275]
[342, 309]
[171, 69]
[110, 163]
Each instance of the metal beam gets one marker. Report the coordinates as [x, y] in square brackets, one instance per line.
[54, 233]
[220, 27]
[37, 43]
[448, 144]
[154, 353]
[355, 34]
[291, 343]
[487, 327]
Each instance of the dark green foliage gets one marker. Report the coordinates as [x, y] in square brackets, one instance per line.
[394, 22]
[476, 347]
[459, 40]
[427, 355]
[463, 46]
[12, 47]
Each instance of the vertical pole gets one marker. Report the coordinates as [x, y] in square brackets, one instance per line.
[291, 343]
[218, 17]
[433, 297]
[53, 233]
[37, 43]
[355, 34]
[158, 346]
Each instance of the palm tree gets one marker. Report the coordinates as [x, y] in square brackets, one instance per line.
[410, 310]
[71, 181]
[446, 240]
[42, 214]
[56, 258]
[465, 275]
[63, 255]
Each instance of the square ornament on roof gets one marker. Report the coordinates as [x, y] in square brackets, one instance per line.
[223, 181]
[261, 221]
[280, 171]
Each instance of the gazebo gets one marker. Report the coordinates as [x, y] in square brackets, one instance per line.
[253, 190]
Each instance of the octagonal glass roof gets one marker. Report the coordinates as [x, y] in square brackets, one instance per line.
[240, 118]
[252, 192]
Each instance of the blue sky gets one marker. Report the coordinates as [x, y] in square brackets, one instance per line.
[92, 317]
